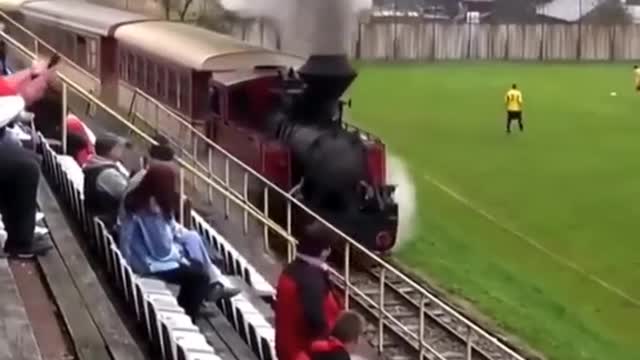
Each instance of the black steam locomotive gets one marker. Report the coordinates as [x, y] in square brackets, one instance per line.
[340, 174]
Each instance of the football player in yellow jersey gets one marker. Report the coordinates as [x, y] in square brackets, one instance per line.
[513, 101]
[636, 73]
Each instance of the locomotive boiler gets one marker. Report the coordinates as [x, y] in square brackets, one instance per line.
[331, 164]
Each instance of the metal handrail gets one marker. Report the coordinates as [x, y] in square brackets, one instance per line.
[37, 40]
[267, 222]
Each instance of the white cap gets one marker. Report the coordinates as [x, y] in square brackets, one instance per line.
[10, 107]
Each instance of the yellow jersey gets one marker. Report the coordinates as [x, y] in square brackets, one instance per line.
[636, 72]
[513, 100]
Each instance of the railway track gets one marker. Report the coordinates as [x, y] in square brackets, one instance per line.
[401, 311]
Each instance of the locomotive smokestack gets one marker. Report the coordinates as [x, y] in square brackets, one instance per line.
[327, 77]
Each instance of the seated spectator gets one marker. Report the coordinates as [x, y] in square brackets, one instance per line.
[306, 306]
[80, 140]
[155, 245]
[106, 179]
[342, 341]
[19, 178]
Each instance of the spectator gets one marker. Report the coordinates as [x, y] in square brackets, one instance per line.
[155, 245]
[80, 140]
[106, 179]
[306, 306]
[19, 178]
[342, 341]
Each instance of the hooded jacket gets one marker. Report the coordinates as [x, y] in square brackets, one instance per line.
[306, 307]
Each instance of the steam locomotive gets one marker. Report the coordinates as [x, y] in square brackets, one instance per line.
[331, 164]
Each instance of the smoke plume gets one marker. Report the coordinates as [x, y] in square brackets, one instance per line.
[307, 26]
[405, 196]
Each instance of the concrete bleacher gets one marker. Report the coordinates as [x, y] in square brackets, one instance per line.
[17, 340]
[171, 333]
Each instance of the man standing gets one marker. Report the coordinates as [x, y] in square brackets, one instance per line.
[636, 73]
[306, 306]
[513, 100]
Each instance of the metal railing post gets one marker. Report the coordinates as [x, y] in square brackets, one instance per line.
[210, 169]
[383, 274]
[347, 275]
[421, 328]
[63, 122]
[226, 183]
[469, 345]
[289, 218]
[181, 174]
[245, 196]
[265, 233]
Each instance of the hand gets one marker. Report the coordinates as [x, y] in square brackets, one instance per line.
[39, 67]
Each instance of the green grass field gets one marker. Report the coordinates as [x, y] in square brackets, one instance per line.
[539, 230]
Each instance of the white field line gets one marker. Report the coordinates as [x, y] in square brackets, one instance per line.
[533, 242]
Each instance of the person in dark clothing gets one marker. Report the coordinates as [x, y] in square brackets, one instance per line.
[19, 178]
[342, 341]
[106, 178]
[306, 306]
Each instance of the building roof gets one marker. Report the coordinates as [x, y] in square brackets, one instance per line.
[567, 10]
[198, 48]
[80, 15]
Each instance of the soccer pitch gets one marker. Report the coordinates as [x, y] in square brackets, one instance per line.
[538, 229]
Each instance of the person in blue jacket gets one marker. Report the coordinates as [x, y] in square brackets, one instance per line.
[155, 245]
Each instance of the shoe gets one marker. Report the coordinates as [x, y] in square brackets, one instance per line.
[218, 291]
[40, 231]
[38, 247]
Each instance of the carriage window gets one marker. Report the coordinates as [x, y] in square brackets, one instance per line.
[122, 63]
[185, 92]
[80, 54]
[140, 72]
[93, 55]
[161, 85]
[131, 68]
[151, 77]
[171, 87]
[214, 100]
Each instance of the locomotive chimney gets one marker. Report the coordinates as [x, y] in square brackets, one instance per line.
[327, 77]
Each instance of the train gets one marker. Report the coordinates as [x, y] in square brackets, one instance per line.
[278, 113]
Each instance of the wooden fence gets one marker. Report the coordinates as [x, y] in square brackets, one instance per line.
[430, 41]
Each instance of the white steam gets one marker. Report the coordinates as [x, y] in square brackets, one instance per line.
[306, 26]
[405, 196]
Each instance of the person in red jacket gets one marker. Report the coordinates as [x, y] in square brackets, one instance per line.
[342, 341]
[306, 306]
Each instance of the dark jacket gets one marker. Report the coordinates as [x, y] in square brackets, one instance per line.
[306, 308]
[104, 187]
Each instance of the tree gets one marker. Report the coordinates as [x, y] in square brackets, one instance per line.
[610, 12]
[179, 6]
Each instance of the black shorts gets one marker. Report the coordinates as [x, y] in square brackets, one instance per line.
[638, 87]
[514, 115]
